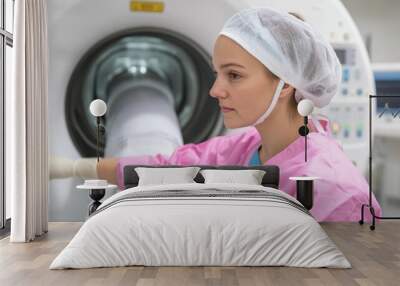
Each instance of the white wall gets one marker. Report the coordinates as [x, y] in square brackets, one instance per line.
[379, 19]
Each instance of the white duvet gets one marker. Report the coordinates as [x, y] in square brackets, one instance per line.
[184, 231]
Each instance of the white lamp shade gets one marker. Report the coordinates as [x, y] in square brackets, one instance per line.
[98, 107]
[305, 107]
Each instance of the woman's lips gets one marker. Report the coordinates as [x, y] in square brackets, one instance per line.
[225, 109]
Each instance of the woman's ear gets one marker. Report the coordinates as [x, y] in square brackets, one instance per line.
[287, 91]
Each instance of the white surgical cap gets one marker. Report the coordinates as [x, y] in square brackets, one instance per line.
[289, 48]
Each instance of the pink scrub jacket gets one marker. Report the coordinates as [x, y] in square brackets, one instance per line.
[338, 194]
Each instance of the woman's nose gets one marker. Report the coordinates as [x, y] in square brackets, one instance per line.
[217, 90]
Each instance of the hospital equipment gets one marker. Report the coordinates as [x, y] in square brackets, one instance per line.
[152, 67]
[386, 137]
[387, 81]
[369, 205]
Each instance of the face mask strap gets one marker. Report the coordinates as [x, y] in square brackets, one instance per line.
[273, 103]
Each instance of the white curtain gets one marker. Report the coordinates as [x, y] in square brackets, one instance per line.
[26, 123]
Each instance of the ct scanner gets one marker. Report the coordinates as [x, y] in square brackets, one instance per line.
[150, 61]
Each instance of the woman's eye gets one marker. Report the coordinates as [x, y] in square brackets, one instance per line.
[234, 76]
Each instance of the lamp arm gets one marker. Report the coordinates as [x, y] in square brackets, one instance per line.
[97, 137]
[305, 137]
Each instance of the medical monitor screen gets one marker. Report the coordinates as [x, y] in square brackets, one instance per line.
[341, 54]
[388, 88]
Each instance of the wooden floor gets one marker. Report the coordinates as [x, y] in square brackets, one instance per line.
[374, 255]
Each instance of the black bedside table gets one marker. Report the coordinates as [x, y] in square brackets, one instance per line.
[305, 190]
[96, 193]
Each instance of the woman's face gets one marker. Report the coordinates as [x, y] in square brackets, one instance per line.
[242, 84]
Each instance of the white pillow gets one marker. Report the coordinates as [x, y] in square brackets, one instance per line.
[162, 176]
[248, 177]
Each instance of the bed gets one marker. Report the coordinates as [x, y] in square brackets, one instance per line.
[201, 224]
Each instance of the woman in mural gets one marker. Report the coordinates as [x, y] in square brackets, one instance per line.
[265, 62]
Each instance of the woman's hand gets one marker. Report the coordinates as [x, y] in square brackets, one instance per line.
[107, 170]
